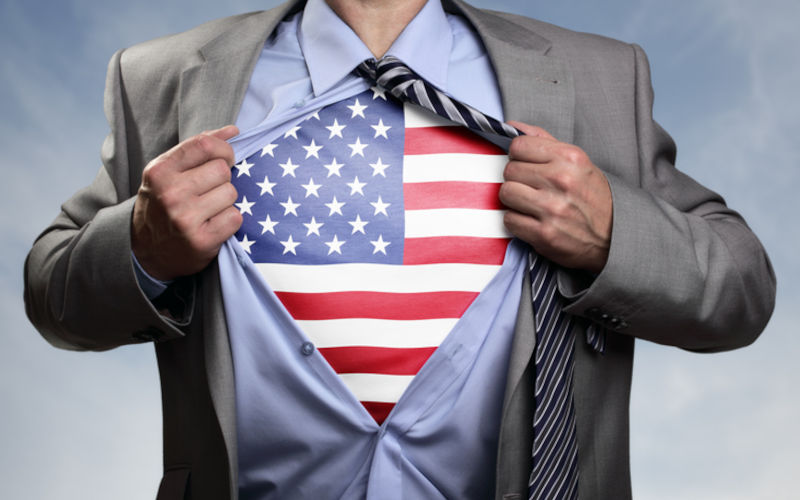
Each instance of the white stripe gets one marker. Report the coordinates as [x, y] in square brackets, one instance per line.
[454, 167]
[377, 332]
[377, 277]
[374, 387]
[417, 116]
[455, 222]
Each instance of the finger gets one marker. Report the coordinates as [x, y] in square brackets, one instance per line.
[223, 225]
[523, 198]
[531, 174]
[531, 130]
[533, 149]
[215, 201]
[524, 227]
[204, 178]
[198, 150]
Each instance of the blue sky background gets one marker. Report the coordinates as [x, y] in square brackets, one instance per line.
[726, 73]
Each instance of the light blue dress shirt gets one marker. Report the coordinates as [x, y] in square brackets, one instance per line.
[301, 432]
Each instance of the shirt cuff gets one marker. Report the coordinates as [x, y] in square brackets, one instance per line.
[151, 287]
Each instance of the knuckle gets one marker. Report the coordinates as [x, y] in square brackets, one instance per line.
[559, 208]
[183, 224]
[171, 199]
[506, 193]
[222, 170]
[512, 170]
[574, 155]
[517, 147]
[548, 233]
[230, 194]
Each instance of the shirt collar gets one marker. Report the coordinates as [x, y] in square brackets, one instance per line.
[332, 50]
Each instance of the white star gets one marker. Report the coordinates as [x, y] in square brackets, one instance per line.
[246, 244]
[312, 188]
[358, 225]
[243, 167]
[333, 168]
[379, 168]
[378, 92]
[380, 207]
[313, 226]
[336, 129]
[268, 225]
[380, 129]
[335, 245]
[380, 245]
[288, 168]
[269, 150]
[312, 150]
[291, 207]
[292, 132]
[358, 148]
[266, 186]
[357, 109]
[335, 206]
[244, 206]
[356, 187]
[315, 115]
[289, 245]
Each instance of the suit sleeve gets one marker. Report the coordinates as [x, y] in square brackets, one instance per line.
[81, 292]
[683, 268]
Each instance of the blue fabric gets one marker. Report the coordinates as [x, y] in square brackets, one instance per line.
[302, 433]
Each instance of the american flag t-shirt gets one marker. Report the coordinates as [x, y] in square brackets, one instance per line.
[376, 224]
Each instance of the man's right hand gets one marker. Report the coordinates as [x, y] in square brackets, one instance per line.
[184, 208]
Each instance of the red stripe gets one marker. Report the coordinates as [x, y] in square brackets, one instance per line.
[379, 411]
[432, 195]
[455, 250]
[451, 139]
[376, 305]
[382, 360]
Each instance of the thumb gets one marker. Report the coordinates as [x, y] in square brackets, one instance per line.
[531, 129]
[224, 133]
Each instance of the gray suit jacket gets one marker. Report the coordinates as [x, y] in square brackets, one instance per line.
[683, 269]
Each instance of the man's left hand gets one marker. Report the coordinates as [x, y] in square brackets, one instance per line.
[558, 200]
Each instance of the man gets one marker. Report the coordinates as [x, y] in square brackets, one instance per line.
[143, 253]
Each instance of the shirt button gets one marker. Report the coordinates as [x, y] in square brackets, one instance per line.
[299, 104]
[307, 349]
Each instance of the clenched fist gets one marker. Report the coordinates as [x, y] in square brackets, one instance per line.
[558, 200]
[184, 208]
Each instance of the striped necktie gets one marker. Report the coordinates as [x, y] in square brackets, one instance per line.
[555, 451]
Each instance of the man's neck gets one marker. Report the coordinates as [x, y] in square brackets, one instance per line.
[377, 23]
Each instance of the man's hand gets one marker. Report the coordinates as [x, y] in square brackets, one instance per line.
[184, 208]
[558, 200]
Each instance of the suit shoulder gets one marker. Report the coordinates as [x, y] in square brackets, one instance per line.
[568, 42]
[180, 48]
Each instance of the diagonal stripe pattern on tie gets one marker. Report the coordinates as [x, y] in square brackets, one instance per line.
[393, 75]
[555, 451]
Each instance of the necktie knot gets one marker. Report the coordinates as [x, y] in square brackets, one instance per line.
[391, 74]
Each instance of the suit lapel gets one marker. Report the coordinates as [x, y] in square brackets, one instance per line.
[536, 87]
[211, 92]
